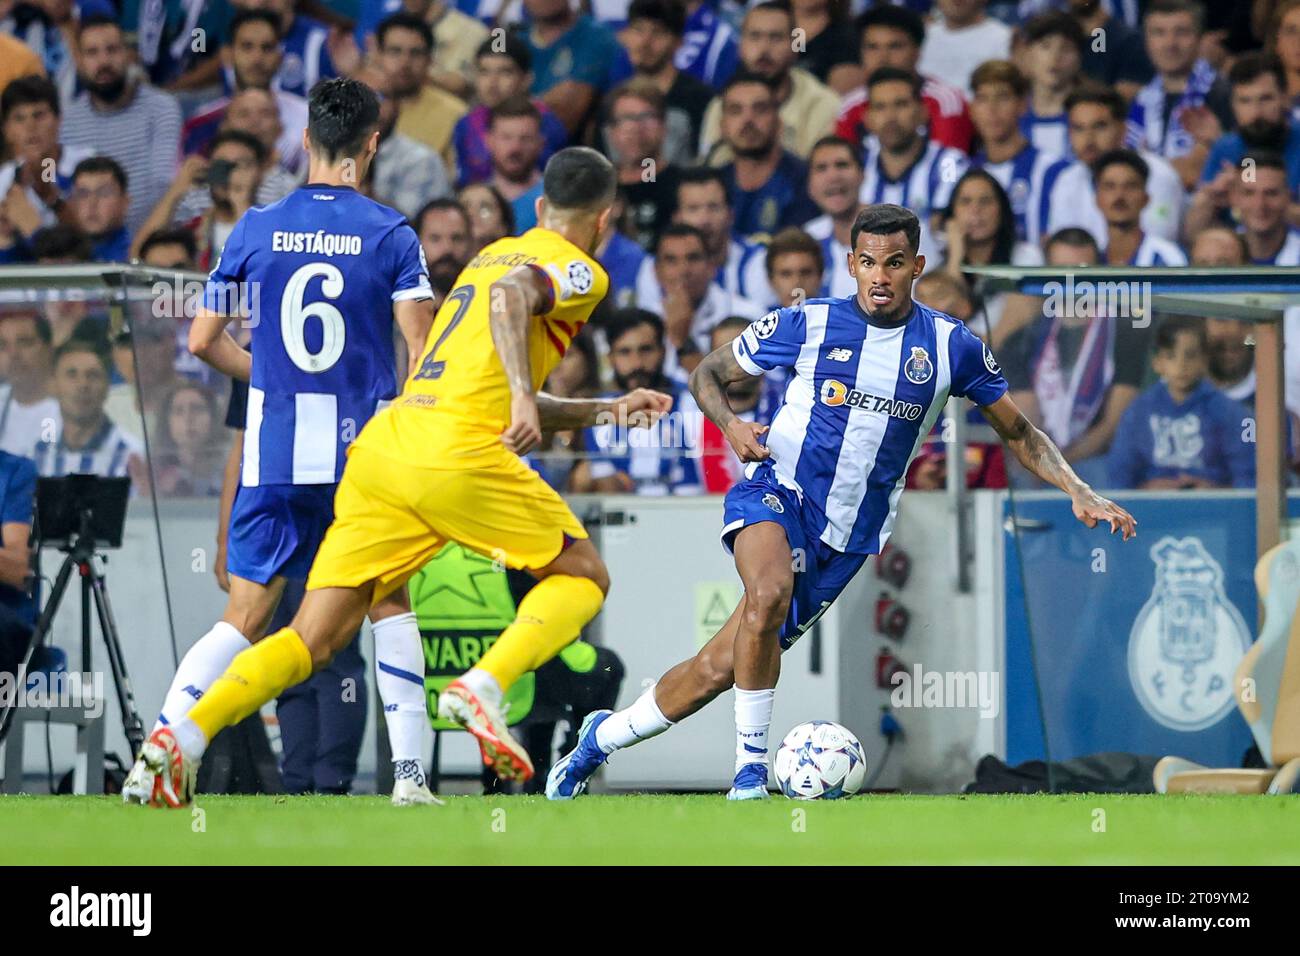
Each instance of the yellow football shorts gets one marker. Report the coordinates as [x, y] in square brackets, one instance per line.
[390, 518]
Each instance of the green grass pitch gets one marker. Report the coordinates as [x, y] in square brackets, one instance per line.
[667, 829]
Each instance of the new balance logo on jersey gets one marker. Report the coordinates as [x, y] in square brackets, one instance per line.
[835, 393]
[839, 355]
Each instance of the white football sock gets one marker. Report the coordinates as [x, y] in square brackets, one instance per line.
[202, 664]
[641, 721]
[189, 738]
[483, 685]
[399, 676]
[753, 718]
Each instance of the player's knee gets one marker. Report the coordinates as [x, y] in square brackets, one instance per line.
[599, 576]
[766, 602]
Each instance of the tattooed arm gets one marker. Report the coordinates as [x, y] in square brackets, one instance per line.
[640, 407]
[514, 299]
[709, 382]
[1041, 457]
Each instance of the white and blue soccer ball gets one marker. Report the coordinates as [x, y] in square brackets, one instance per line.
[820, 760]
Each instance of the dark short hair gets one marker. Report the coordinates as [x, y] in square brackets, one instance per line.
[39, 322]
[622, 321]
[772, 6]
[178, 236]
[892, 74]
[1172, 326]
[26, 90]
[512, 48]
[404, 21]
[515, 106]
[1269, 159]
[895, 18]
[1191, 7]
[1249, 67]
[1055, 23]
[97, 20]
[678, 230]
[1100, 95]
[61, 242]
[101, 164]
[1072, 236]
[1122, 157]
[885, 219]
[703, 176]
[579, 178]
[742, 77]
[243, 16]
[341, 115]
[999, 71]
[737, 322]
[442, 204]
[638, 88]
[81, 343]
[831, 141]
[669, 14]
[243, 138]
[790, 241]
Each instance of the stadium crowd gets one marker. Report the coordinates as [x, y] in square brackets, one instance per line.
[746, 138]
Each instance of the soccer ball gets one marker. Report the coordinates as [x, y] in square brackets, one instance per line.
[820, 760]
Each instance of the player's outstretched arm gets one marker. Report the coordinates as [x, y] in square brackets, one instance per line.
[639, 408]
[1038, 453]
[210, 341]
[708, 384]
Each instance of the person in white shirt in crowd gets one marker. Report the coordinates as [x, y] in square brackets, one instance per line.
[901, 166]
[835, 177]
[1000, 98]
[1053, 58]
[1120, 180]
[960, 39]
[795, 269]
[29, 411]
[1096, 116]
[979, 229]
[692, 301]
[1231, 351]
[702, 201]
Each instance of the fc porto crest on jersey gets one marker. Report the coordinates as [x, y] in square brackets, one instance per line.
[919, 368]
[773, 502]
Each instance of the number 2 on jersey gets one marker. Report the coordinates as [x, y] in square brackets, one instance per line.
[431, 368]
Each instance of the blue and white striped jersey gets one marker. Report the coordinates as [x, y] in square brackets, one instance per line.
[1154, 251]
[322, 268]
[1028, 178]
[108, 454]
[925, 188]
[860, 401]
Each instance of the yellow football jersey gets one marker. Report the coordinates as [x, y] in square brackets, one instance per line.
[457, 402]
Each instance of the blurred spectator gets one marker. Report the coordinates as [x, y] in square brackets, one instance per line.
[634, 131]
[624, 261]
[17, 59]
[710, 51]
[515, 143]
[1053, 57]
[1182, 432]
[426, 113]
[655, 461]
[34, 183]
[188, 445]
[794, 269]
[576, 376]
[892, 36]
[457, 42]
[767, 184]
[1076, 369]
[1120, 178]
[1027, 174]
[1283, 40]
[702, 201]
[1096, 117]
[1185, 107]
[253, 54]
[1219, 246]
[169, 249]
[491, 217]
[28, 409]
[807, 108]
[405, 174]
[755, 398]
[18, 606]
[1260, 204]
[255, 111]
[979, 230]
[835, 177]
[122, 117]
[503, 70]
[60, 245]
[1230, 360]
[87, 440]
[901, 166]
[1120, 61]
[99, 200]
[1263, 125]
[164, 40]
[961, 39]
[444, 230]
[144, 355]
[690, 301]
[830, 50]
[209, 196]
[572, 56]
[652, 39]
[307, 45]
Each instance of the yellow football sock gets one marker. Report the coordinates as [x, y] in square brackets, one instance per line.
[255, 676]
[548, 620]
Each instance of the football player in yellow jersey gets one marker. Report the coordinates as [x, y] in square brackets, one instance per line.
[442, 464]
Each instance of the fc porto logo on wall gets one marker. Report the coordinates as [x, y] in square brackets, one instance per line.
[919, 368]
[1187, 640]
[773, 502]
[765, 326]
[580, 276]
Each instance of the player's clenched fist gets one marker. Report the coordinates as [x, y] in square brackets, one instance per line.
[744, 438]
[646, 404]
[525, 431]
